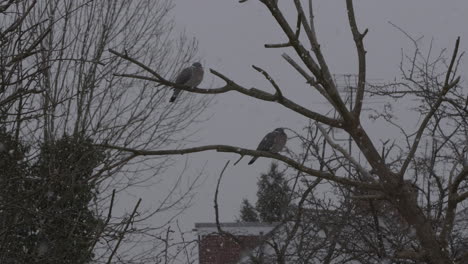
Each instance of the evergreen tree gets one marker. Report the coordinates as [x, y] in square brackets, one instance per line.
[248, 212]
[65, 168]
[46, 216]
[17, 229]
[273, 195]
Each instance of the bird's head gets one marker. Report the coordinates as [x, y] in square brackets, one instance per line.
[197, 65]
[280, 129]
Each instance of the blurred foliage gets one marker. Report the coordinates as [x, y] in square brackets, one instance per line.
[273, 195]
[45, 215]
[248, 212]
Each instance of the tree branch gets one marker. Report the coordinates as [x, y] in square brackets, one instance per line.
[309, 79]
[216, 207]
[447, 86]
[358, 37]
[121, 235]
[344, 152]
[324, 77]
[289, 43]
[230, 86]
[242, 151]
[279, 94]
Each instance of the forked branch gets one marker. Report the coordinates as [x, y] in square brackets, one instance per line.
[249, 152]
[230, 86]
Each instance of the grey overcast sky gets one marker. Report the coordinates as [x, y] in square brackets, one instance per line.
[231, 38]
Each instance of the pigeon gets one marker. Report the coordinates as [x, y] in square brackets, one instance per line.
[191, 76]
[273, 142]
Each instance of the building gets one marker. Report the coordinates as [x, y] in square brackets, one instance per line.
[216, 248]
[321, 236]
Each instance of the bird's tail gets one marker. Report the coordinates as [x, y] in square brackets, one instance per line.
[174, 96]
[253, 160]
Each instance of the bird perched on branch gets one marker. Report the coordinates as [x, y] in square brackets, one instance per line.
[191, 76]
[273, 142]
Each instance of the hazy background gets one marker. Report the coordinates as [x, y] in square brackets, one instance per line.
[231, 38]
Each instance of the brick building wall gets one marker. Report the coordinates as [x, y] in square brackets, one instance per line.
[214, 248]
[218, 249]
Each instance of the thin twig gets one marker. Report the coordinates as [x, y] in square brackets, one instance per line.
[279, 94]
[447, 86]
[121, 235]
[109, 215]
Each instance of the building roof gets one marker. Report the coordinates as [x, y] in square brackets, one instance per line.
[236, 224]
[236, 228]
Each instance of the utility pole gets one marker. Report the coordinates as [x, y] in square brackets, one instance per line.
[346, 83]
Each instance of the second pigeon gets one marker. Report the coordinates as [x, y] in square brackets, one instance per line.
[273, 142]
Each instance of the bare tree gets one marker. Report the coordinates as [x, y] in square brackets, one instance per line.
[391, 174]
[59, 94]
